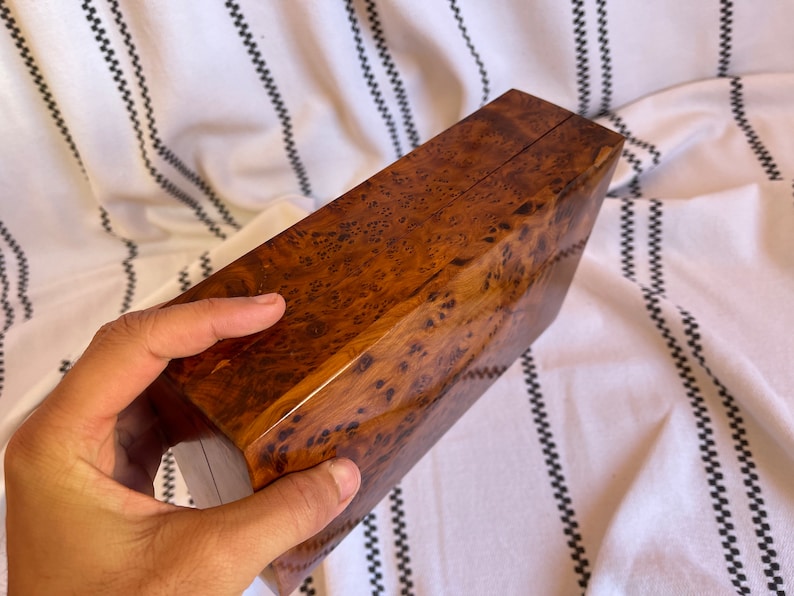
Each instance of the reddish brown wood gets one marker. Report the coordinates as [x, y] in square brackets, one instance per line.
[406, 297]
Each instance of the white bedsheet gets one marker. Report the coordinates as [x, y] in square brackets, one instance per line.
[644, 445]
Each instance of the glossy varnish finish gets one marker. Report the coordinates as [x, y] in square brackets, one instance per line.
[406, 297]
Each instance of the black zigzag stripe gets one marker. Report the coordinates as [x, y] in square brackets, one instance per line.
[22, 268]
[162, 150]
[655, 247]
[747, 466]
[706, 445]
[183, 277]
[627, 266]
[582, 62]
[184, 280]
[374, 88]
[5, 290]
[169, 477]
[206, 265]
[60, 123]
[735, 419]
[8, 312]
[484, 79]
[726, 37]
[374, 567]
[621, 127]
[394, 75]
[266, 77]
[761, 152]
[635, 190]
[307, 587]
[38, 79]
[581, 564]
[401, 541]
[66, 366]
[100, 34]
[132, 253]
[606, 60]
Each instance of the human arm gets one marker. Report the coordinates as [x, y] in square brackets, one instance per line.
[78, 518]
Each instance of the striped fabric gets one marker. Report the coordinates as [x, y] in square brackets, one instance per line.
[644, 444]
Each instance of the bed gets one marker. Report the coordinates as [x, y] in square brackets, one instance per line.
[643, 445]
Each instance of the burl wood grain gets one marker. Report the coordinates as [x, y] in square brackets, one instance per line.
[406, 297]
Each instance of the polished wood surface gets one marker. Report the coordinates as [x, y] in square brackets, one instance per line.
[406, 298]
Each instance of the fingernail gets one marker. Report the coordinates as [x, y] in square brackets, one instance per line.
[265, 298]
[347, 477]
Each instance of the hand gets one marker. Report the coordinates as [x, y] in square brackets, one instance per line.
[76, 519]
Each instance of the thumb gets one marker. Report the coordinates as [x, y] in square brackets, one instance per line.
[294, 508]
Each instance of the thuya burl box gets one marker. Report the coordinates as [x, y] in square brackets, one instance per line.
[406, 297]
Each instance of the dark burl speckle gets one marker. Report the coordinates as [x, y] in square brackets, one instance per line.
[364, 362]
[316, 329]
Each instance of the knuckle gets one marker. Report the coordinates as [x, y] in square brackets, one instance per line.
[133, 327]
[127, 325]
[210, 303]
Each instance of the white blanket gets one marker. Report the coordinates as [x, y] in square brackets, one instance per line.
[643, 445]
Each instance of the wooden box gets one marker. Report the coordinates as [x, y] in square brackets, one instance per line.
[406, 297]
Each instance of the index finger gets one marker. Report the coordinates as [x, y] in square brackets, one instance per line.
[127, 355]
